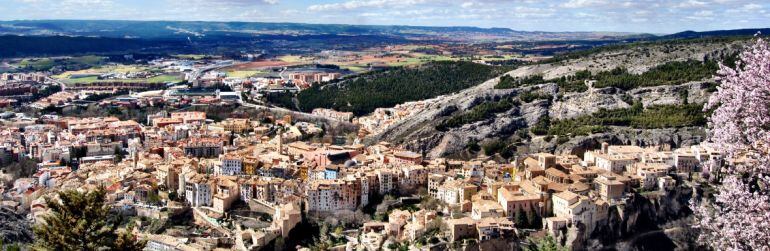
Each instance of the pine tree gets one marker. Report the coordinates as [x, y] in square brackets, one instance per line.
[547, 243]
[521, 219]
[81, 221]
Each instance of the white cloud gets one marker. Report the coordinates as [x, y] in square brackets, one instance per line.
[358, 4]
[692, 4]
[583, 3]
[752, 6]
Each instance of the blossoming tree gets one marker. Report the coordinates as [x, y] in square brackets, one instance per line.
[738, 216]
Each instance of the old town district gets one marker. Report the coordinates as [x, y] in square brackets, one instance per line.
[247, 183]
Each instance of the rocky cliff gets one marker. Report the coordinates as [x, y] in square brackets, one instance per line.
[419, 132]
[14, 227]
[652, 221]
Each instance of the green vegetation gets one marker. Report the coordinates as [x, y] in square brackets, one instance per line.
[157, 79]
[388, 88]
[325, 240]
[671, 73]
[42, 64]
[528, 219]
[663, 116]
[82, 221]
[498, 146]
[547, 243]
[532, 96]
[645, 44]
[281, 99]
[541, 127]
[477, 113]
[74, 63]
[508, 82]
[17, 46]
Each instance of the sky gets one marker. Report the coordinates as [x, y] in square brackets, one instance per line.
[652, 16]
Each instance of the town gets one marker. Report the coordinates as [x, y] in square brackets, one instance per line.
[246, 184]
[353, 125]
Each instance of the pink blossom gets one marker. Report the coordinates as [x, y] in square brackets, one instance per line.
[738, 217]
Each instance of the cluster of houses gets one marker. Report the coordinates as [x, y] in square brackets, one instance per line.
[221, 169]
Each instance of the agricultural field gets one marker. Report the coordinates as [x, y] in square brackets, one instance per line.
[362, 63]
[295, 59]
[244, 74]
[104, 70]
[157, 79]
[68, 63]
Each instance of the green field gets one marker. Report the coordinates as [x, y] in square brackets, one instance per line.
[156, 79]
[37, 64]
[243, 74]
[104, 70]
[44, 64]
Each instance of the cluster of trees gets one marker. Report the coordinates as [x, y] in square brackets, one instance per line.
[662, 116]
[671, 73]
[527, 219]
[508, 82]
[325, 239]
[477, 113]
[391, 87]
[532, 96]
[58, 45]
[547, 243]
[541, 127]
[505, 149]
[283, 99]
[667, 43]
[82, 221]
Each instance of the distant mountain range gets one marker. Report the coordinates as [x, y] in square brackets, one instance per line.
[212, 30]
[68, 37]
[185, 29]
[716, 33]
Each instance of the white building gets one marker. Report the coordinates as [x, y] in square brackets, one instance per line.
[386, 178]
[198, 191]
[230, 166]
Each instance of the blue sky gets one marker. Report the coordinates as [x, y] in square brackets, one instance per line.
[656, 16]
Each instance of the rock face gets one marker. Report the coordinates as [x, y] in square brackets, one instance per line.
[14, 228]
[673, 137]
[655, 221]
[418, 133]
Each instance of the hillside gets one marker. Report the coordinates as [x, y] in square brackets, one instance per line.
[13, 46]
[363, 94]
[643, 95]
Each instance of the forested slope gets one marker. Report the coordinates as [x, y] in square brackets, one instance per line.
[388, 88]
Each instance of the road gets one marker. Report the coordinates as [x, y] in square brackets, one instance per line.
[296, 114]
[198, 72]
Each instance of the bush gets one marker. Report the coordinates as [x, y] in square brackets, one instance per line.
[498, 146]
[532, 96]
[477, 113]
[541, 127]
[663, 116]
[508, 82]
